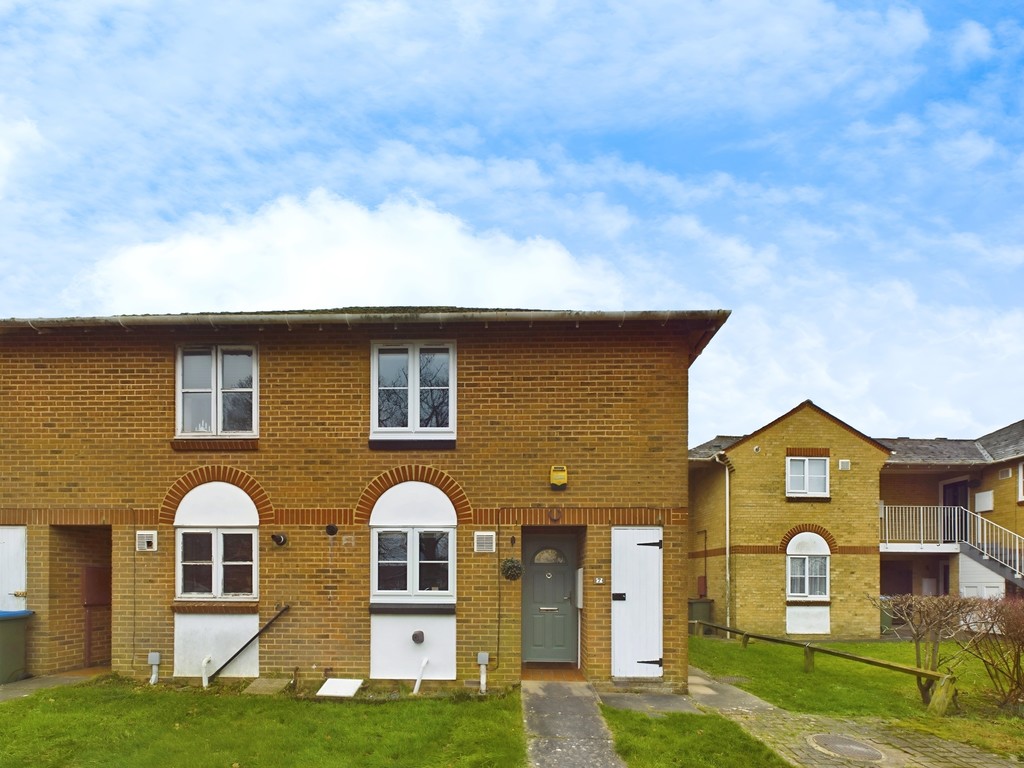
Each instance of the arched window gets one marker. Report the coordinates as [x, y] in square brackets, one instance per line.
[807, 567]
[217, 556]
[412, 528]
[549, 555]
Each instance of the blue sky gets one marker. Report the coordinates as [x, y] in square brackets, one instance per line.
[847, 178]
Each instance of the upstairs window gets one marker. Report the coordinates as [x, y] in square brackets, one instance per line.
[216, 391]
[413, 391]
[806, 476]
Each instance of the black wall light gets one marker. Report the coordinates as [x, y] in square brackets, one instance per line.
[279, 538]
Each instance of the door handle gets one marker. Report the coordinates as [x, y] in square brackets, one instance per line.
[20, 593]
[619, 596]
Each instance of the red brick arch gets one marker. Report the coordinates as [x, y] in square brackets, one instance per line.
[419, 473]
[809, 528]
[217, 473]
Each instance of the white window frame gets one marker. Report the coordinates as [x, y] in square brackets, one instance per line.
[804, 475]
[803, 548]
[217, 391]
[1020, 481]
[412, 431]
[806, 577]
[217, 564]
[412, 592]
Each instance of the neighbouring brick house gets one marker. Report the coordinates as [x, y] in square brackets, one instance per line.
[796, 525]
[176, 482]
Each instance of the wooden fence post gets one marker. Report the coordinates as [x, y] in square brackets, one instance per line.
[808, 658]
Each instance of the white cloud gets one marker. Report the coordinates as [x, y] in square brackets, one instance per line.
[328, 252]
[971, 43]
[874, 355]
[16, 138]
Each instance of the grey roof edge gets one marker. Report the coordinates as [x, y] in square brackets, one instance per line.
[403, 316]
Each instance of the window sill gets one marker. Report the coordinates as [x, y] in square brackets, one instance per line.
[219, 606]
[793, 601]
[803, 499]
[215, 444]
[413, 609]
[410, 444]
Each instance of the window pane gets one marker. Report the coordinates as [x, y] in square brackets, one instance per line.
[393, 368]
[434, 408]
[817, 471]
[393, 408]
[237, 412]
[238, 580]
[197, 579]
[433, 576]
[392, 546]
[818, 566]
[196, 412]
[797, 574]
[236, 370]
[197, 547]
[434, 545]
[392, 578]
[237, 547]
[196, 369]
[796, 475]
[434, 368]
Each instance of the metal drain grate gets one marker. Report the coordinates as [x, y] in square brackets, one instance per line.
[844, 746]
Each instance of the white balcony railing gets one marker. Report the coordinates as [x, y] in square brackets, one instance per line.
[923, 526]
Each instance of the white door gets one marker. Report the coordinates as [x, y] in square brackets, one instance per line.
[13, 561]
[636, 602]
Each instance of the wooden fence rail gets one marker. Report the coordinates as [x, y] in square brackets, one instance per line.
[810, 650]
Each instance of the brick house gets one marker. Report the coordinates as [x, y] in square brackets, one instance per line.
[794, 526]
[349, 483]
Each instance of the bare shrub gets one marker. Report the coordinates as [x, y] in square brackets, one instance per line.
[996, 638]
[928, 621]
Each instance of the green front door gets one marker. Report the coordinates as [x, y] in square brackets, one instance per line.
[550, 618]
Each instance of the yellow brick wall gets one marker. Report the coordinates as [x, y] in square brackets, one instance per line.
[762, 517]
[87, 440]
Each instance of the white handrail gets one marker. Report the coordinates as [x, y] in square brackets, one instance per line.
[914, 524]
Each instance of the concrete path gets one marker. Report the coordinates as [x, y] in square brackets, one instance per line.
[21, 688]
[566, 729]
[813, 740]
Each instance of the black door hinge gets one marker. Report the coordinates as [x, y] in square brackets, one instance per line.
[659, 662]
[657, 544]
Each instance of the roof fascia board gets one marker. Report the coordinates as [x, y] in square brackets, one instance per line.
[713, 319]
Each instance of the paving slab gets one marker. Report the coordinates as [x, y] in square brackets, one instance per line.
[565, 728]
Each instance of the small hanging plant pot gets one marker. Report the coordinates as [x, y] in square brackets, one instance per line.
[511, 569]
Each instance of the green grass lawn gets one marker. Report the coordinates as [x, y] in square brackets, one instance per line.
[843, 688]
[115, 722]
[693, 741]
